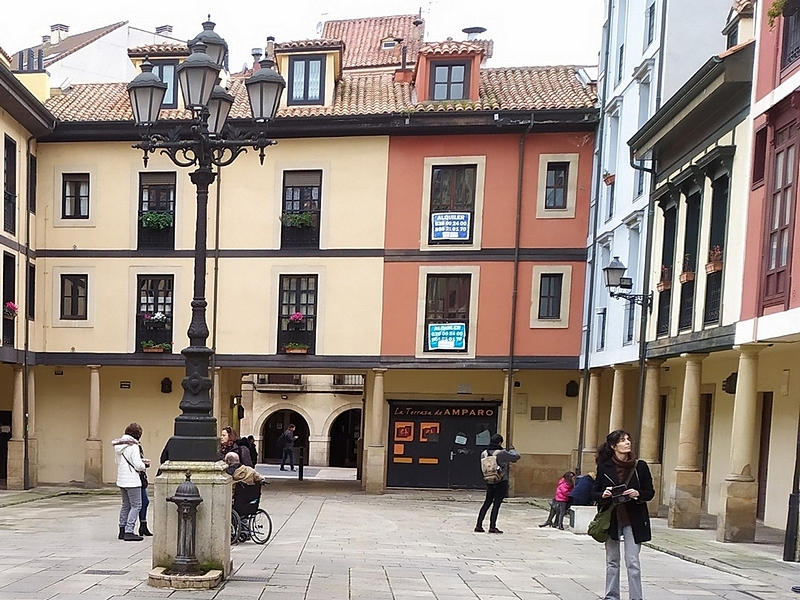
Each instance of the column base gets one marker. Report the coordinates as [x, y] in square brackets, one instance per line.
[375, 470]
[685, 498]
[736, 521]
[655, 503]
[213, 541]
[318, 451]
[15, 479]
[93, 464]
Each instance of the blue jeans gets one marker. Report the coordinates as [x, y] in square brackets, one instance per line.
[145, 504]
[131, 505]
[287, 453]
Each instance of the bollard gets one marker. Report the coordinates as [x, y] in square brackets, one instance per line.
[186, 497]
[300, 462]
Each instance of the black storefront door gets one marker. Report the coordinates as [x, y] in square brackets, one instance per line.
[438, 444]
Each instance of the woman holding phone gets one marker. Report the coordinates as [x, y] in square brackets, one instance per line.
[626, 483]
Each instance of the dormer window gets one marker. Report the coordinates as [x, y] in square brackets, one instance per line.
[306, 79]
[449, 80]
[167, 72]
[388, 45]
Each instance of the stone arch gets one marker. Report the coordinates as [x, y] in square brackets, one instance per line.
[262, 418]
[326, 428]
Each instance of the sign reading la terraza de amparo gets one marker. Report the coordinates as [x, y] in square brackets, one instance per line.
[447, 336]
[450, 226]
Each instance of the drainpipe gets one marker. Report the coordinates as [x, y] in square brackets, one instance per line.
[663, 34]
[587, 335]
[514, 286]
[215, 293]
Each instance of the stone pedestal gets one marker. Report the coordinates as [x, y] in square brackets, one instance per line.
[213, 543]
[93, 464]
[375, 472]
[736, 521]
[685, 499]
[655, 503]
[318, 451]
[16, 465]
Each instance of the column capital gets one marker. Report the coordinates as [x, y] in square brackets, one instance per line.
[379, 371]
[623, 367]
[693, 357]
[751, 349]
[94, 367]
[596, 372]
[654, 363]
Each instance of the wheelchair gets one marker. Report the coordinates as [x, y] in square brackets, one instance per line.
[248, 521]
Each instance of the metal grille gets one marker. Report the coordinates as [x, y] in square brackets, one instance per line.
[791, 38]
[157, 195]
[664, 303]
[10, 187]
[301, 194]
[348, 380]
[713, 298]
[298, 295]
[687, 306]
[155, 296]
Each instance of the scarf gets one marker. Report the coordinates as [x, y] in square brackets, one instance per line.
[226, 447]
[623, 468]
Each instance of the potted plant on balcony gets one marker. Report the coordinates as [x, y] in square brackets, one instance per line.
[155, 219]
[296, 320]
[687, 271]
[776, 10]
[155, 320]
[296, 348]
[665, 281]
[151, 346]
[609, 178]
[301, 219]
[714, 263]
[10, 310]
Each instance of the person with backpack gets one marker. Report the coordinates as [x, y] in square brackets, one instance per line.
[286, 444]
[495, 463]
[229, 442]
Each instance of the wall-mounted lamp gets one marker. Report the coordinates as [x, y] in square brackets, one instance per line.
[614, 272]
[284, 397]
[166, 385]
[572, 389]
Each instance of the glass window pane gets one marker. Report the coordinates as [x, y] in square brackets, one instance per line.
[298, 80]
[314, 79]
[773, 250]
[457, 73]
[779, 170]
[440, 91]
[440, 74]
[457, 91]
[784, 247]
[789, 164]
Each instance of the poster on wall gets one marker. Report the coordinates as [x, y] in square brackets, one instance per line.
[450, 226]
[447, 336]
[429, 432]
[404, 431]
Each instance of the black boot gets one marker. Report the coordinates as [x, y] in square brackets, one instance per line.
[132, 537]
[143, 530]
[121, 533]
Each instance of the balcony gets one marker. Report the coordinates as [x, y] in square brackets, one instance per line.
[9, 212]
[299, 237]
[664, 304]
[713, 298]
[156, 237]
[352, 381]
[156, 331]
[791, 38]
[685, 315]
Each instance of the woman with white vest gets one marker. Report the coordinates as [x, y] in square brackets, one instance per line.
[129, 466]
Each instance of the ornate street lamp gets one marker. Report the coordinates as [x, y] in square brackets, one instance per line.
[614, 272]
[203, 143]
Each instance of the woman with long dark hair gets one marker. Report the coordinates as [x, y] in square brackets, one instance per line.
[626, 484]
[229, 442]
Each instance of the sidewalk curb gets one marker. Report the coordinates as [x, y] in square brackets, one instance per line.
[698, 561]
[36, 496]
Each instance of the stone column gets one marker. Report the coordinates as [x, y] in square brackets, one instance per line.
[687, 486]
[93, 462]
[217, 400]
[592, 423]
[651, 422]
[375, 472]
[33, 446]
[617, 419]
[736, 521]
[318, 451]
[16, 445]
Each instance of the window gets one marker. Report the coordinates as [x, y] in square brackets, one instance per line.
[759, 155]
[452, 204]
[10, 186]
[791, 33]
[306, 80]
[650, 24]
[556, 187]
[75, 196]
[447, 313]
[449, 81]
[301, 209]
[620, 61]
[32, 183]
[167, 72]
[73, 297]
[550, 296]
[601, 329]
[780, 214]
[156, 210]
[30, 301]
[546, 413]
[630, 322]
[732, 38]
[610, 192]
[388, 44]
[9, 295]
[298, 295]
[154, 312]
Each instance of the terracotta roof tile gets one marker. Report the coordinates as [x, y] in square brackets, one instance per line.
[743, 7]
[451, 47]
[360, 94]
[363, 39]
[308, 44]
[5, 55]
[55, 52]
[163, 49]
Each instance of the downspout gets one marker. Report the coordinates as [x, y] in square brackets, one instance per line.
[660, 82]
[514, 286]
[587, 334]
[215, 293]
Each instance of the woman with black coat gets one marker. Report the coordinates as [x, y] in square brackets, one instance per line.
[617, 466]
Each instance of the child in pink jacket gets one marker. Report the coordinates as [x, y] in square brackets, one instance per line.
[558, 507]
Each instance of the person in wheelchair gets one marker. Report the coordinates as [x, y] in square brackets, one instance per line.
[246, 485]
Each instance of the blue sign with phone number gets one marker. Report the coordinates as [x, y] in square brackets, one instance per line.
[450, 226]
[447, 336]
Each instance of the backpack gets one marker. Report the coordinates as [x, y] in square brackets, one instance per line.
[492, 472]
[282, 441]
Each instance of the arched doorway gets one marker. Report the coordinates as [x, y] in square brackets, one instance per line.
[274, 427]
[344, 439]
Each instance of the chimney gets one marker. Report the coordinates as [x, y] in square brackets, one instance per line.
[473, 32]
[164, 30]
[256, 53]
[40, 60]
[59, 31]
[45, 40]
[270, 49]
[419, 29]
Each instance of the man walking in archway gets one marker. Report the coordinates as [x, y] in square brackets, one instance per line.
[286, 443]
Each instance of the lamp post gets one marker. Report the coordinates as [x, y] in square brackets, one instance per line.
[203, 143]
[615, 280]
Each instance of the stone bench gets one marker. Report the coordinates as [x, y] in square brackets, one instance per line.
[580, 517]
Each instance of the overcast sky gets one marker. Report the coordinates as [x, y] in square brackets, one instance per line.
[526, 32]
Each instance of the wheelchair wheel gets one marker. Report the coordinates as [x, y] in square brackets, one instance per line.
[236, 526]
[260, 527]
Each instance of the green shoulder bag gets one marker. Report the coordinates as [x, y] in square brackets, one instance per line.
[601, 523]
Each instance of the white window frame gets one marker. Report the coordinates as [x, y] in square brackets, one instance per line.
[472, 332]
[566, 285]
[572, 187]
[477, 215]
